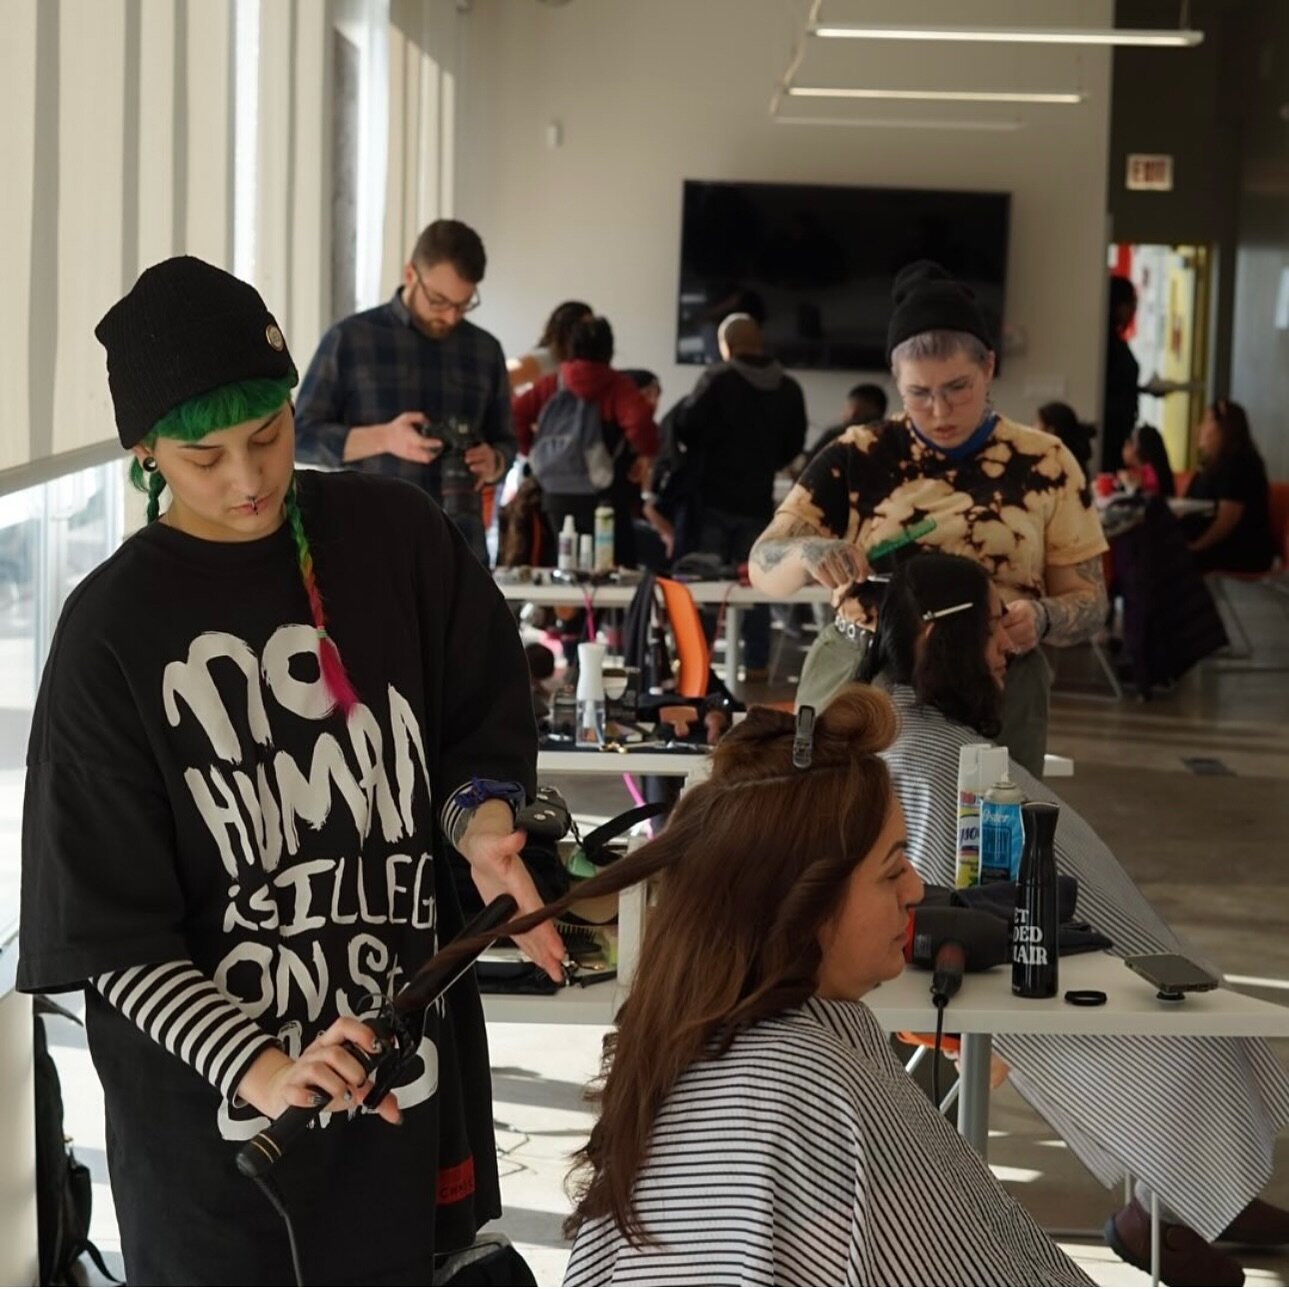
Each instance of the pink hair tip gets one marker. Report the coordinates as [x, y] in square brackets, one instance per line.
[333, 676]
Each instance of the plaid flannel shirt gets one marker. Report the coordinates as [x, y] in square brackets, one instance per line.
[373, 366]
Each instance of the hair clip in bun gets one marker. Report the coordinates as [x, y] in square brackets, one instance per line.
[931, 614]
[803, 740]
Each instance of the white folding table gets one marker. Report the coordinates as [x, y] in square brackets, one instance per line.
[734, 597]
[589, 761]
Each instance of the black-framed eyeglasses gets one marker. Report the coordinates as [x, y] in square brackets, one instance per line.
[953, 395]
[437, 303]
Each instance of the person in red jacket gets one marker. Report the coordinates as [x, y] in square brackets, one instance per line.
[631, 436]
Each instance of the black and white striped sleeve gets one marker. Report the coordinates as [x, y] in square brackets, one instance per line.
[465, 800]
[178, 1006]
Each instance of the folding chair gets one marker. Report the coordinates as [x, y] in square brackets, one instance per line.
[692, 651]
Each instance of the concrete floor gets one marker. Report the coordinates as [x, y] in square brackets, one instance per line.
[1208, 849]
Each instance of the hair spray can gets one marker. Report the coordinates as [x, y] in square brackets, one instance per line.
[979, 765]
[1002, 835]
[1035, 928]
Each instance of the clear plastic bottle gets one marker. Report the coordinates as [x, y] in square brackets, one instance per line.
[590, 694]
[604, 554]
[566, 557]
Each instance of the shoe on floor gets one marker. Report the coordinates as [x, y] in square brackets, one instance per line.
[1184, 1257]
[1260, 1225]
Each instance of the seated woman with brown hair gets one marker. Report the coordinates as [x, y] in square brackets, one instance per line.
[755, 1127]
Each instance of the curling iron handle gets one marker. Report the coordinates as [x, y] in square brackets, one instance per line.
[267, 1147]
[263, 1151]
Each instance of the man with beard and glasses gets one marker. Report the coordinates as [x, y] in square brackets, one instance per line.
[413, 389]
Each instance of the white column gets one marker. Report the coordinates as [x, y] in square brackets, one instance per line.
[18, 1262]
[91, 127]
[17, 154]
[208, 148]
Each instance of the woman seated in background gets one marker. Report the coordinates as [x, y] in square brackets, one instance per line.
[1193, 1119]
[1063, 421]
[1232, 474]
[755, 1127]
[1145, 463]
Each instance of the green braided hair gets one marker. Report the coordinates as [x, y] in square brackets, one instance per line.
[234, 404]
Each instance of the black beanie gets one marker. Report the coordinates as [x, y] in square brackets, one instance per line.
[185, 328]
[928, 297]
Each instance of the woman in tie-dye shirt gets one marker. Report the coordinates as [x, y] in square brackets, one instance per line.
[1009, 497]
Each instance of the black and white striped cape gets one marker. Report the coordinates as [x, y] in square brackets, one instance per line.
[806, 1156]
[1195, 1119]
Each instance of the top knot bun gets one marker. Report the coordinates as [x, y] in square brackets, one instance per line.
[859, 722]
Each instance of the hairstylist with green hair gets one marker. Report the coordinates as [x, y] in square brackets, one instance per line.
[247, 739]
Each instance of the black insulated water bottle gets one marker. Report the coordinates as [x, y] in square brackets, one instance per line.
[1035, 925]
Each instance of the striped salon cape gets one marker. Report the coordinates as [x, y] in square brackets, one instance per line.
[1195, 1119]
[806, 1156]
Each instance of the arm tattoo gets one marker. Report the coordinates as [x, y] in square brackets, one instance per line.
[782, 538]
[1077, 615]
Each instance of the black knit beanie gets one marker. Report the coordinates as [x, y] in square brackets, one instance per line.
[928, 297]
[184, 329]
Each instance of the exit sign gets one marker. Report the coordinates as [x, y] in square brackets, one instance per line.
[1150, 172]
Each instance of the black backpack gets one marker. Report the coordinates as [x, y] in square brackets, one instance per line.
[64, 1192]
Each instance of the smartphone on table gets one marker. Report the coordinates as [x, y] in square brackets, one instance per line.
[1171, 974]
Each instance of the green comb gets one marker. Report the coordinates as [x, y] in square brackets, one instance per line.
[901, 539]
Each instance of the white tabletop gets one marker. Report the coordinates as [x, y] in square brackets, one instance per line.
[611, 595]
[1191, 506]
[985, 1005]
[589, 762]
[643, 762]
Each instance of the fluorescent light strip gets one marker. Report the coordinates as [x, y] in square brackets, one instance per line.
[932, 96]
[1017, 35]
[897, 123]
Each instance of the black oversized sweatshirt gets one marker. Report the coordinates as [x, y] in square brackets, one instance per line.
[744, 421]
[192, 793]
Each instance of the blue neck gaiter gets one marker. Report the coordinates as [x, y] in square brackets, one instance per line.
[968, 447]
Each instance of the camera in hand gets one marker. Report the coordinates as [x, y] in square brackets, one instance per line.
[455, 433]
[458, 487]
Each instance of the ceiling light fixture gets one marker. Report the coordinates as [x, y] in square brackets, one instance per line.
[898, 123]
[934, 96]
[1163, 39]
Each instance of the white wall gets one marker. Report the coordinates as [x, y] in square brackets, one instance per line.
[651, 92]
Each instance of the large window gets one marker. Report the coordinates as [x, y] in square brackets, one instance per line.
[51, 536]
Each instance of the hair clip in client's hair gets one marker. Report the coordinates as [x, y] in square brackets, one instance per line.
[803, 740]
[931, 614]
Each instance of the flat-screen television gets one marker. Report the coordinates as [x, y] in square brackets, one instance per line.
[815, 263]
